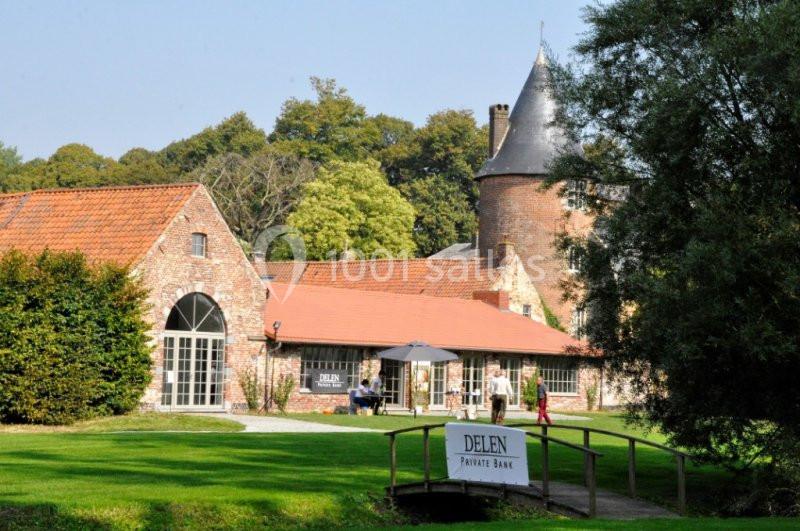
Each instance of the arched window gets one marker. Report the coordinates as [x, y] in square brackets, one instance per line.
[196, 313]
[194, 354]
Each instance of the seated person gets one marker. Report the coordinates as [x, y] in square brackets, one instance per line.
[377, 390]
[363, 395]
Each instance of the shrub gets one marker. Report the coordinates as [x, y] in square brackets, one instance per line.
[73, 340]
[283, 390]
[591, 395]
[248, 380]
[530, 396]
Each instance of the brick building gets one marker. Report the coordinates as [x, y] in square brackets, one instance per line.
[514, 258]
[211, 318]
[204, 300]
[344, 329]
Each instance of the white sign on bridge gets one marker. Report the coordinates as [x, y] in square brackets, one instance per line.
[486, 453]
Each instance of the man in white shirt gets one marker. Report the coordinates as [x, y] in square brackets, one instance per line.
[501, 392]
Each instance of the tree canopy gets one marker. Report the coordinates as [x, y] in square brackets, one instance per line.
[443, 213]
[693, 282]
[254, 193]
[433, 166]
[351, 207]
[332, 127]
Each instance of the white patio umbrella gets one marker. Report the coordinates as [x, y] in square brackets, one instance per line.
[416, 351]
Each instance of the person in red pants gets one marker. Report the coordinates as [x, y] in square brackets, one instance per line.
[542, 395]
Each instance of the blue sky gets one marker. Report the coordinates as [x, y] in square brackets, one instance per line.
[116, 75]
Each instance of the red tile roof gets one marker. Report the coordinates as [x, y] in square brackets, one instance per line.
[423, 276]
[117, 224]
[322, 315]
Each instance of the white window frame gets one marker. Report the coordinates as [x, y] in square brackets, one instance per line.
[527, 311]
[199, 250]
[436, 367]
[513, 370]
[328, 357]
[473, 375]
[560, 374]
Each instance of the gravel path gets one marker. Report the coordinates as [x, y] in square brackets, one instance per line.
[258, 424]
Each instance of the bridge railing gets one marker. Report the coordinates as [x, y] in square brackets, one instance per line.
[680, 457]
[590, 461]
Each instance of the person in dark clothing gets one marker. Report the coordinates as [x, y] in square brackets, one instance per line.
[376, 387]
[542, 395]
[363, 395]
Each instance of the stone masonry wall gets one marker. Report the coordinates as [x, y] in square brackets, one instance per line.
[170, 271]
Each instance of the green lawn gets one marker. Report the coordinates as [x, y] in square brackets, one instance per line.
[656, 470]
[237, 480]
[134, 422]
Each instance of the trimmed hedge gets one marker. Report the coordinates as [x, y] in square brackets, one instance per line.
[73, 340]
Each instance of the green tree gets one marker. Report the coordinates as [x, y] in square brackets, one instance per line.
[692, 282]
[444, 215]
[73, 341]
[350, 206]
[71, 166]
[332, 127]
[236, 134]
[140, 166]
[9, 161]
[9, 158]
[450, 145]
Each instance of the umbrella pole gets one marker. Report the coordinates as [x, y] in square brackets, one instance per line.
[413, 390]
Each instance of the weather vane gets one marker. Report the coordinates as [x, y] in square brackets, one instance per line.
[541, 32]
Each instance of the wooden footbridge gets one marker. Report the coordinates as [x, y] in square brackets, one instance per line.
[578, 500]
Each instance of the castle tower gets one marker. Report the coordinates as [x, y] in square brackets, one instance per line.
[514, 206]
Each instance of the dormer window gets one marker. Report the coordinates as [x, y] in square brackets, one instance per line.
[199, 246]
[576, 194]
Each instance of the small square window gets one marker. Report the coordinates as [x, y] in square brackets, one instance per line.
[526, 310]
[199, 244]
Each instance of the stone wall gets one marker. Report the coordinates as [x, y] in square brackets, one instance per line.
[170, 271]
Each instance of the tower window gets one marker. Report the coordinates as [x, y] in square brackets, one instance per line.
[526, 310]
[578, 322]
[199, 241]
[573, 259]
[576, 194]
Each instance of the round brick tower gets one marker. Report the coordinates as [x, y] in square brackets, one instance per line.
[514, 206]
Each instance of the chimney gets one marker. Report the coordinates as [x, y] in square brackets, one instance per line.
[498, 299]
[498, 125]
[504, 251]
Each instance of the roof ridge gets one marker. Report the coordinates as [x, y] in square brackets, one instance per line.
[420, 259]
[374, 293]
[41, 191]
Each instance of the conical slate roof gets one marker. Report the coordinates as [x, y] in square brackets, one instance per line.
[532, 140]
